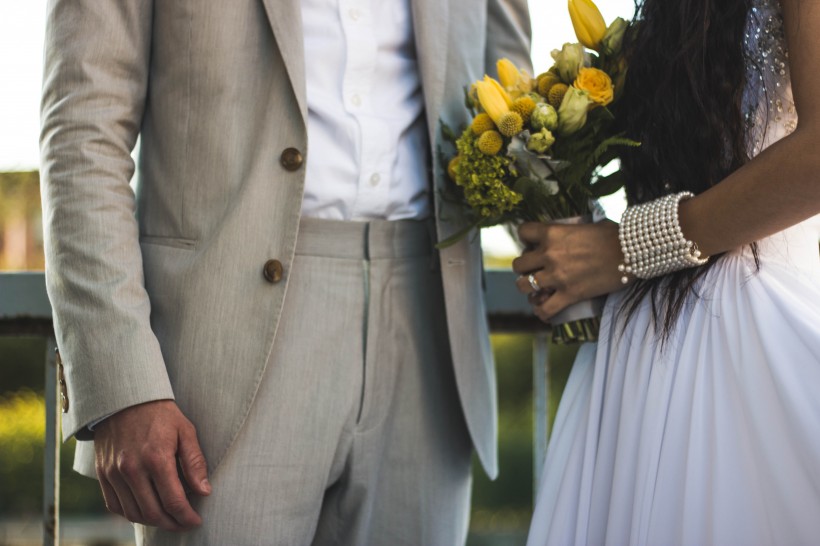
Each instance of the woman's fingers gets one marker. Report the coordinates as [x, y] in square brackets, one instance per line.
[528, 262]
[550, 306]
[531, 233]
[579, 260]
[539, 282]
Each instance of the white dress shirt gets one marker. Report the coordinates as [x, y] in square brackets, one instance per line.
[368, 144]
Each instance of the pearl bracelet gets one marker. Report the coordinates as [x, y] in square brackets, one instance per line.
[652, 241]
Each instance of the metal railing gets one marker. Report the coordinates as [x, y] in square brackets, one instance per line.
[25, 310]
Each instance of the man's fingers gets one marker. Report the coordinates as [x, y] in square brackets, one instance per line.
[112, 503]
[172, 494]
[130, 507]
[192, 461]
[150, 506]
[136, 477]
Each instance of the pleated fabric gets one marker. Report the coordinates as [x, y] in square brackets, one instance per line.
[710, 438]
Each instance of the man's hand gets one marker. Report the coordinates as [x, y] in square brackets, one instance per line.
[570, 263]
[136, 458]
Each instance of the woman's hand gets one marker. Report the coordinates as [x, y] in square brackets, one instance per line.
[570, 263]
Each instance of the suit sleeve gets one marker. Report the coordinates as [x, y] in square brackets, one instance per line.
[509, 33]
[94, 89]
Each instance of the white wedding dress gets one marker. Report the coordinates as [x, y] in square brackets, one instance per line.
[713, 438]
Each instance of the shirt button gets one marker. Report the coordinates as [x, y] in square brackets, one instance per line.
[354, 14]
[291, 159]
[356, 100]
[273, 271]
[375, 179]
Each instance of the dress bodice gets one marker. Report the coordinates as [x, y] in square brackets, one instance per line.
[768, 102]
[771, 115]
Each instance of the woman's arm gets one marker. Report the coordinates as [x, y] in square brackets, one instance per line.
[777, 189]
[781, 186]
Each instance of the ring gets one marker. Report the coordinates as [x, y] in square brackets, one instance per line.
[533, 283]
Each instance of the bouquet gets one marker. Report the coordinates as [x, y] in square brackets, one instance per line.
[536, 148]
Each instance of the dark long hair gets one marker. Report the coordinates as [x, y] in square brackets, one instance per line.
[683, 100]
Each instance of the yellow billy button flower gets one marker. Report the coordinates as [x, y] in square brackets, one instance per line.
[451, 167]
[524, 107]
[588, 22]
[556, 95]
[545, 83]
[490, 143]
[597, 83]
[511, 124]
[494, 100]
[481, 124]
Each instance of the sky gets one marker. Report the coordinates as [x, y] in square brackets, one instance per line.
[21, 51]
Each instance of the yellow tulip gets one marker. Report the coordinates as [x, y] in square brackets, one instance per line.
[588, 22]
[514, 80]
[501, 91]
[508, 73]
[493, 99]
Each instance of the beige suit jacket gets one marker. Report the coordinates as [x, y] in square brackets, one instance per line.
[159, 293]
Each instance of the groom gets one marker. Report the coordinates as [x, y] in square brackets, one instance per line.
[266, 311]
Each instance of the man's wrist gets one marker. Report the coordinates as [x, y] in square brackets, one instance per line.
[93, 424]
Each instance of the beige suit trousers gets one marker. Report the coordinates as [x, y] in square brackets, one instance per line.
[356, 436]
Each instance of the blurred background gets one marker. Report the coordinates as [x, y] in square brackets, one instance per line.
[501, 509]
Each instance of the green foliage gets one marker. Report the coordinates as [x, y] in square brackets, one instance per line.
[506, 504]
[482, 176]
[22, 438]
[22, 361]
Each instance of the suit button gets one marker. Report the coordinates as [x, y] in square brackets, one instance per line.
[273, 271]
[291, 159]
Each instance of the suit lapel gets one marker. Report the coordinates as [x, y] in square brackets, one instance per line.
[431, 27]
[285, 18]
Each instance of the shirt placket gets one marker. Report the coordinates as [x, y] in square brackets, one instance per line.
[360, 29]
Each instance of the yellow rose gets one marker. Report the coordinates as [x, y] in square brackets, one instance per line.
[597, 83]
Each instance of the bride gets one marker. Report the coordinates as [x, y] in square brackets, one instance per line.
[696, 417]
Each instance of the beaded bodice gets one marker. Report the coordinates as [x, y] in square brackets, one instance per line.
[768, 102]
[770, 116]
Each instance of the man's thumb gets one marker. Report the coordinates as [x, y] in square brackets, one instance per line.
[192, 461]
